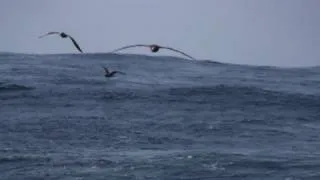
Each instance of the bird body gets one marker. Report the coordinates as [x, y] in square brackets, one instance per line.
[154, 48]
[110, 73]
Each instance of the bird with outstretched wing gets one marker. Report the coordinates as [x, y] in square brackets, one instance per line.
[154, 48]
[64, 35]
[110, 73]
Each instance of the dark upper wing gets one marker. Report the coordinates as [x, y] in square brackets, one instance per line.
[49, 33]
[75, 43]
[179, 52]
[120, 72]
[105, 69]
[129, 46]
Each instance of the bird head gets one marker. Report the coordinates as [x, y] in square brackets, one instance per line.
[154, 48]
[63, 35]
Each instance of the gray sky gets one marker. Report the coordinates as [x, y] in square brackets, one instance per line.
[257, 32]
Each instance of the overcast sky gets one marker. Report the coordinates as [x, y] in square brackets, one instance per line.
[258, 32]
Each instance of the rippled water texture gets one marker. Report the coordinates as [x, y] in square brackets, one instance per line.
[167, 118]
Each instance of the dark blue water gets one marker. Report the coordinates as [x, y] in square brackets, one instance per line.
[166, 119]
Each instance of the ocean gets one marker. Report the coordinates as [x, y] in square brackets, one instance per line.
[167, 118]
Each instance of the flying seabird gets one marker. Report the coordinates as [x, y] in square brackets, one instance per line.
[153, 47]
[110, 74]
[63, 35]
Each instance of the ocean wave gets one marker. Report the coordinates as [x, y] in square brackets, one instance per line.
[249, 94]
[217, 95]
[22, 158]
[220, 89]
[131, 56]
[13, 87]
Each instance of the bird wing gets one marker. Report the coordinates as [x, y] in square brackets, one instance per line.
[75, 43]
[129, 46]
[172, 49]
[105, 69]
[121, 72]
[49, 33]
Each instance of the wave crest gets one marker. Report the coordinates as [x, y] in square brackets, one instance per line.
[13, 87]
[244, 95]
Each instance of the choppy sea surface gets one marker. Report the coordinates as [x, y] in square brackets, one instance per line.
[166, 119]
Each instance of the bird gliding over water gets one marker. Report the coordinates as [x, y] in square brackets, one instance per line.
[63, 35]
[110, 73]
[154, 48]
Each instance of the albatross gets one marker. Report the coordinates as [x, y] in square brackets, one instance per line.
[110, 73]
[63, 35]
[153, 47]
